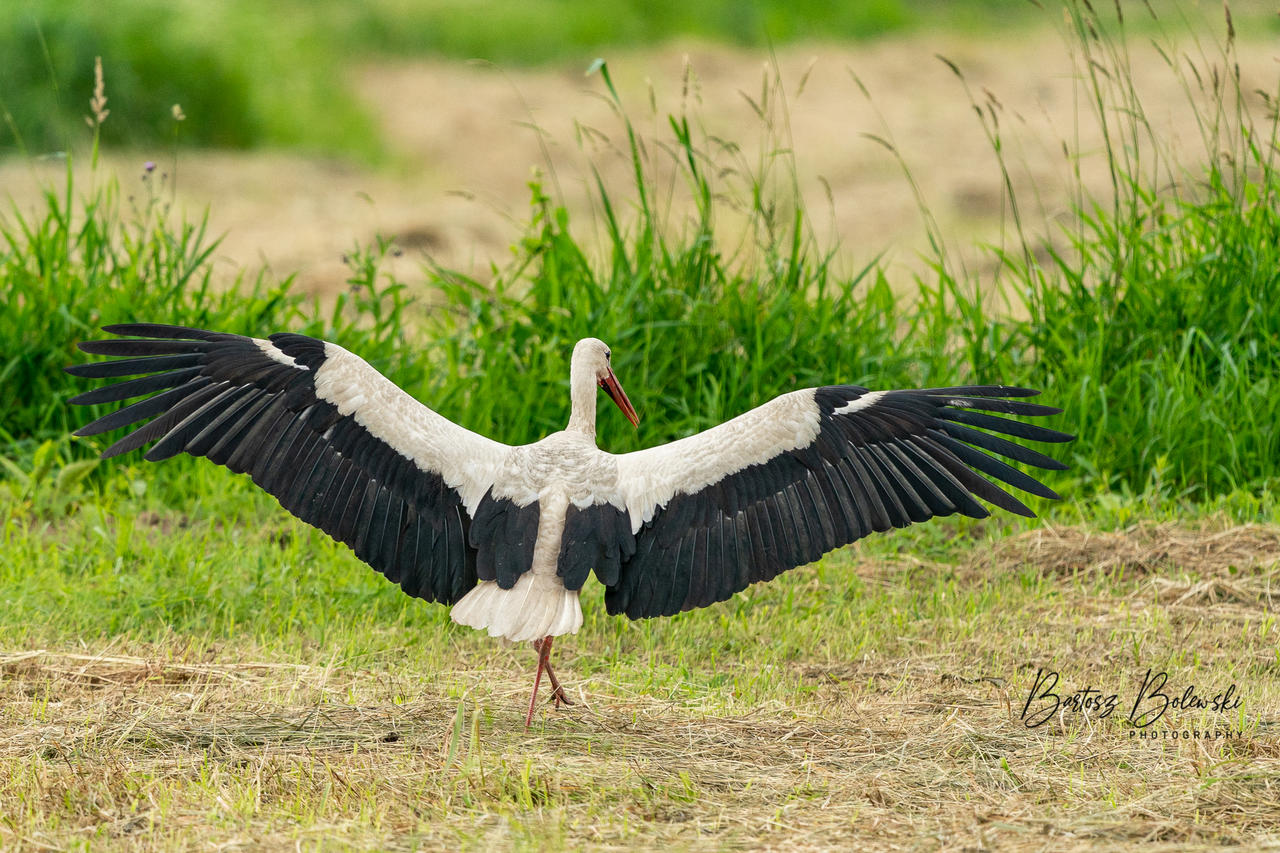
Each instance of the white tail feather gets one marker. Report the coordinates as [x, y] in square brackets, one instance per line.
[538, 613]
[537, 606]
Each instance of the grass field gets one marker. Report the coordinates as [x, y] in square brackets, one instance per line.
[185, 666]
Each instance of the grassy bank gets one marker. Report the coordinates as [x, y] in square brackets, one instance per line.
[1153, 314]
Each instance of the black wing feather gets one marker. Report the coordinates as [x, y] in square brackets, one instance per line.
[224, 397]
[133, 366]
[898, 458]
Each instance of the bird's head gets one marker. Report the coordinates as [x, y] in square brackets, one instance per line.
[592, 355]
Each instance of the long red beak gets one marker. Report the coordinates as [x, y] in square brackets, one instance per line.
[613, 388]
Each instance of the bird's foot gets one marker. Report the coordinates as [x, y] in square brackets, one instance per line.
[543, 648]
[558, 694]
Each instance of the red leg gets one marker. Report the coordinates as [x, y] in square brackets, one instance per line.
[543, 647]
[557, 692]
[544, 651]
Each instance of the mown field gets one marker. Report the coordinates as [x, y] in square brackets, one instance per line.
[251, 686]
[185, 666]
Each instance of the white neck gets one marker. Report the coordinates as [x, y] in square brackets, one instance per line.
[582, 400]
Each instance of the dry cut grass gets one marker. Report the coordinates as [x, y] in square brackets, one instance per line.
[920, 745]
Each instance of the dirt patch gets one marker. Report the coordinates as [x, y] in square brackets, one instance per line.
[466, 138]
[852, 185]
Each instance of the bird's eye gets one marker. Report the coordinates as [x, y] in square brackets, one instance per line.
[608, 355]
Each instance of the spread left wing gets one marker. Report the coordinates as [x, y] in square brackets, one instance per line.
[337, 443]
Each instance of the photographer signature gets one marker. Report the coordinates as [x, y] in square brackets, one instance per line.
[1154, 699]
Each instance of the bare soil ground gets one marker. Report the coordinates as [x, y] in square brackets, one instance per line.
[146, 748]
[464, 144]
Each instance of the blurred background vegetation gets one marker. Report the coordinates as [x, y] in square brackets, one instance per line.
[271, 74]
[1152, 314]
[252, 74]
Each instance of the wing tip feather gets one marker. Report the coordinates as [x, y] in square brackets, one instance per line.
[158, 330]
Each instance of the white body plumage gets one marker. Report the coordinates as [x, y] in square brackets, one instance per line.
[562, 469]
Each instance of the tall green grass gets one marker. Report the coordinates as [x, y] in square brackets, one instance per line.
[90, 260]
[1155, 315]
[85, 259]
[1152, 317]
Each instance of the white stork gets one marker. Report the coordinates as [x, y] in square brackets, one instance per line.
[507, 535]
